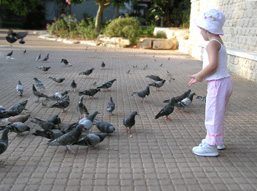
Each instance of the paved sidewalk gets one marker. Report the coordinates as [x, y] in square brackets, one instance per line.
[157, 157]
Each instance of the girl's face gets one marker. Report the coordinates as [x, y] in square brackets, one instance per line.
[204, 34]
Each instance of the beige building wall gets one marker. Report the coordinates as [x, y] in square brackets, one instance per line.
[240, 31]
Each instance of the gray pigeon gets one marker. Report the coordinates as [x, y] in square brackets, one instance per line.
[44, 68]
[81, 108]
[111, 106]
[62, 104]
[57, 80]
[180, 97]
[19, 88]
[73, 85]
[104, 127]
[55, 119]
[91, 140]
[66, 62]
[155, 78]
[18, 127]
[37, 93]
[58, 96]
[39, 85]
[185, 102]
[158, 84]
[142, 94]
[68, 139]
[3, 113]
[17, 108]
[89, 92]
[38, 57]
[45, 125]
[107, 85]
[69, 127]
[202, 98]
[103, 65]
[87, 72]
[4, 140]
[129, 121]
[167, 110]
[87, 122]
[46, 58]
[49, 134]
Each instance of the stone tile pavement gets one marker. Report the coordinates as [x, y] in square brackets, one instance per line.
[157, 157]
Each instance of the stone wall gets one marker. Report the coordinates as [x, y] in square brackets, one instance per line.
[240, 37]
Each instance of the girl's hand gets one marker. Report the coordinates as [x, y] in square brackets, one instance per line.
[194, 79]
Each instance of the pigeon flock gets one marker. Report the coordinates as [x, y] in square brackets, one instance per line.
[79, 133]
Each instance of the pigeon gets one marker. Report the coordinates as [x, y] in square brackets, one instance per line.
[180, 97]
[46, 58]
[169, 75]
[107, 85]
[87, 72]
[39, 85]
[55, 119]
[73, 85]
[158, 84]
[146, 66]
[87, 122]
[45, 125]
[167, 109]
[142, 94]
[24, 51]
[3, 113]
[11, 39]
[155, 78]
[13, 36]
[66, 62]
[81, 108]
[201, 98]
[185, 102]
[4, 140]
[37, 93]
[129, 121]
[103, 65]
[89, 92]
[128, 72]
[17, 108]
[68, 139]
[69, 127]
[38, 57]
[91, 140]
[19, 118]
[62, 104]
[58, 80]
[49, 134]
[111, 106]
[18, 127]
[104, 127]
[9, 55]
[19, 88]
[44, 68]
[58, 95]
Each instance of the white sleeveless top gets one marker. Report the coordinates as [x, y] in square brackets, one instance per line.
[222, 70]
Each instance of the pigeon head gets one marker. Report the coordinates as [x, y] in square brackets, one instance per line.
[102, 136]
[24, 103]
[134, 113]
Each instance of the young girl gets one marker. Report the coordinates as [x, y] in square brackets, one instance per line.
[220, 85]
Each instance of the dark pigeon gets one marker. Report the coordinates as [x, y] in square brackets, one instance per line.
[87, 72]
[55, 120]
[129, 121]
[4, 140]
[62, 104]
[37, 93]
[180, 97]
[49, 134]
[68, 139]
[185, 102]
[107, 85]
[111, 106]
[167, 110]
[89, 92]
[82, 109]
[155, 78]
[73, 85]
[91, 140]
[57, 80]
[158, 84]
[39, 85]
[142, 94]
[18, 127]
[19, 88]
[46, 58]
[66, 62]
[45, 125]
[44, 68]
[17, 108]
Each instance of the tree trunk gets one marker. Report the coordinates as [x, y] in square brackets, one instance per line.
[99, 17]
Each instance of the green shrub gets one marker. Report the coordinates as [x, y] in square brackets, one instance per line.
[127, 27]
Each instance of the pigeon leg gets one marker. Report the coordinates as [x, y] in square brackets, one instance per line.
[64, 111]
[129, 132]
[168, 119]
[68, 147]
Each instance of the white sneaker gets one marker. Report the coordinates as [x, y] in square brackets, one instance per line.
[219, 147]
[205, 150]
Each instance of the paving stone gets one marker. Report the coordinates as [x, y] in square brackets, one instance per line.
[158, 156]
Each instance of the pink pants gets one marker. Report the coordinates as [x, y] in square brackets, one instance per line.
[218, 94]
